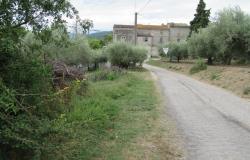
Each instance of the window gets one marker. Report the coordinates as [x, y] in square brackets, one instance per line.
[146, 39]
[161, 40]
[123, 38]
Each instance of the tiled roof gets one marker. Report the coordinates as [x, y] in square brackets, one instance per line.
[154, 27]
[123, 26]
[182, 25]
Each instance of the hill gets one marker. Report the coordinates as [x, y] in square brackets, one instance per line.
[100, 35]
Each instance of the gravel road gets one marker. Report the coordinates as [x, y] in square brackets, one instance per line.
[214, 123]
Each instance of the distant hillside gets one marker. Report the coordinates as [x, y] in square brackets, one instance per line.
[100, 35]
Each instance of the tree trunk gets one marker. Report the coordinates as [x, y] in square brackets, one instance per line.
[178, 59]
[229, 60]
[210, 61]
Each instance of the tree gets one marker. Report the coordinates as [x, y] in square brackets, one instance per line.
[29, 105]
[225, 39]
[125, 55]
[202, 44]
[36, 14]
[201, 18]
[232, 34]
[85, 24]
[178, 50]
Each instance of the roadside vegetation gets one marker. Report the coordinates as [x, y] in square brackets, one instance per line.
[60, 99]
[233, 78]
[216, 51]
[225, 40]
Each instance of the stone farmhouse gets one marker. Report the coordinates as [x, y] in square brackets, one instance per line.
[151, 36]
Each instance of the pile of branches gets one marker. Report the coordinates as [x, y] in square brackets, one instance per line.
[63, 74]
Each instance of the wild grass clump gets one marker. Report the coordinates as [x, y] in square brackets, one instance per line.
[215, 76]
[246, 90]
[125, 55]
[199, 65]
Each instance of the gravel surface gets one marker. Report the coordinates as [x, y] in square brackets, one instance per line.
[214, 123]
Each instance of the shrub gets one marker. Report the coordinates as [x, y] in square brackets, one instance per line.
[125, 55]
[246, 91]
[214, 76]
[78, 52]
[161, 51]
[199, 65]
[98, 57]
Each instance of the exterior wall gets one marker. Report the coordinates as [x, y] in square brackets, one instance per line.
[155, 37]
[124, 34]
[158, 36]
[178, 34]
[141, 41]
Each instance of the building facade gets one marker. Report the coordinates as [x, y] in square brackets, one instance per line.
[151, 36]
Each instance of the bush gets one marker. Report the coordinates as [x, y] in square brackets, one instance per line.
[78, 52]
[199, 65]
[161, 51]
[125, 55]
[98, 57]
[246, 91]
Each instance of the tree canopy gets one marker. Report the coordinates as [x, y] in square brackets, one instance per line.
[201, 18]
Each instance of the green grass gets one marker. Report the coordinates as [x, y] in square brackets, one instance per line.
[160, 63]
[111, 115]
[246, 90]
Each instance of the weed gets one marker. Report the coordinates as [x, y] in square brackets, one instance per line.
[214, 76]
[199, 65]
[246, 90]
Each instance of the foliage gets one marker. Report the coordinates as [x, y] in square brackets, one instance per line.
[125, 55]
[108, 39]
[78, 52]
[29, 103]
[96, 43]
[85, 24]
[36, 14]
[199, 65]
[201, 18]
[202, 44]
[98, 57]
[232, 34]
[178, 50]
[224, 40]
[246, 91]
[105, 116]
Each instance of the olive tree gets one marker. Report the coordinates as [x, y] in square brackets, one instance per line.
[178, 50]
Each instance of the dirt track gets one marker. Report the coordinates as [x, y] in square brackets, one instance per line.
[214, 123]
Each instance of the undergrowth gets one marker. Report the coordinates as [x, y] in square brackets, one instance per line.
[103, 121]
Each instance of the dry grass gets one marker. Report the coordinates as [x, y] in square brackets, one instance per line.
[233, 78]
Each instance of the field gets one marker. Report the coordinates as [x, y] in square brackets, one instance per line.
[233, 78]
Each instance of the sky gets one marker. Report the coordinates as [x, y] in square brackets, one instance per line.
[106, 13]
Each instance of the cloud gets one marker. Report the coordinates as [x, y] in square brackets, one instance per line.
[106, 13]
